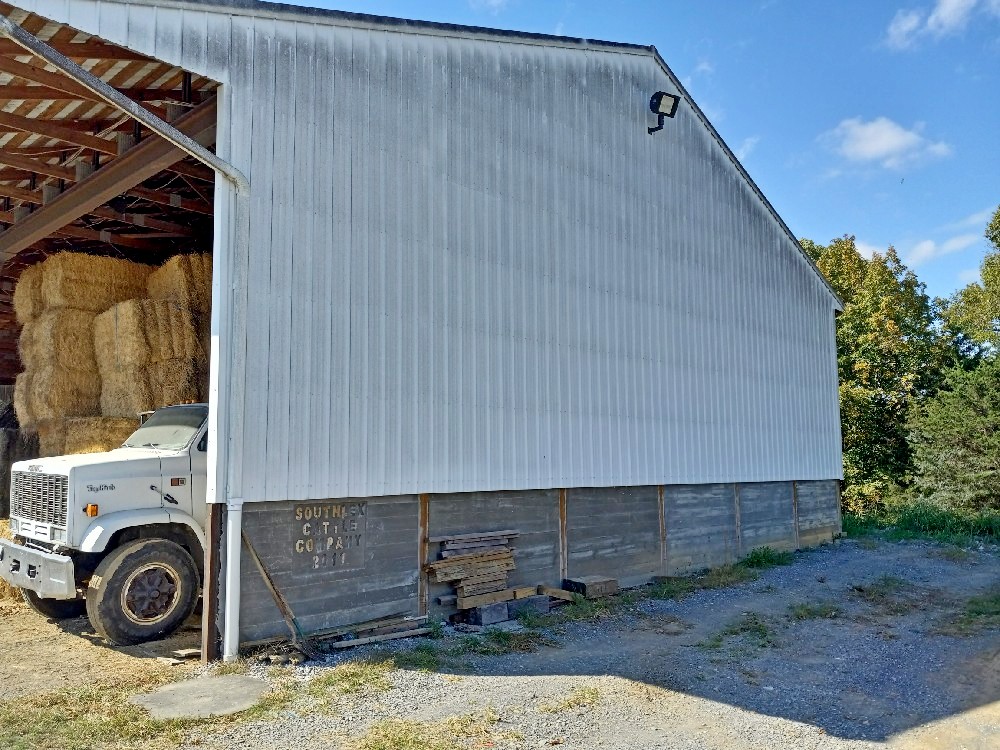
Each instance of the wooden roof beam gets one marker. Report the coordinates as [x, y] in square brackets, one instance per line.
[121, 175]
[172, 200]
[53, 129]
[57, 82]
[38, 166]
[83, 233]
[44, 93]
[89, 50]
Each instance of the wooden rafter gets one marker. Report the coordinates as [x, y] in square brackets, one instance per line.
[121, 175]
[59, 131]
[56, 83]
[83, 233]
[171, 199]
[89, 50]
[36, 165]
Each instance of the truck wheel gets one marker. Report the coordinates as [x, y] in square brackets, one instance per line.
[142, 591]
[55, 609]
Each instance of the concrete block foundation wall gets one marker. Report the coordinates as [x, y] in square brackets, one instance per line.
[349, 561]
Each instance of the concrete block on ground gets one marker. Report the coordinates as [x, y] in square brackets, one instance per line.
[591, 587]
[202, 697]
[488, 614]
[537, 605]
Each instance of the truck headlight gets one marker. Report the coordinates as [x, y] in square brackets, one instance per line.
[13, 526]
[57, 535]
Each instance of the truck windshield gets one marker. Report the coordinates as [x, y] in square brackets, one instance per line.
[169, 429]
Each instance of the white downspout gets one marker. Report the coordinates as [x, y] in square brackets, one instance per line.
[216, 473]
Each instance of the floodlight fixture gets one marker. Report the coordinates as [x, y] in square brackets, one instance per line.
[662, 105]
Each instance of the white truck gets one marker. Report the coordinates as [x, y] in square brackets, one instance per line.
[118, 535]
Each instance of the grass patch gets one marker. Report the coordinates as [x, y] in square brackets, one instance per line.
[424, 657]
[457, 733]
[887, 593]
[763, 558]
[951, 553]
[806, 611]
[715, 578]
[582, 697]
[499, 642]
[361, 678]
[237, 666]
[96, 717]
[923, 520]
[750, 627]
[979, 613]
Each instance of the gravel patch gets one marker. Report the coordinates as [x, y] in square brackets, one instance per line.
[725, 668]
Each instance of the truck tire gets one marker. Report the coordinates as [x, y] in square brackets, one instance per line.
[142, 591]
[55, 609]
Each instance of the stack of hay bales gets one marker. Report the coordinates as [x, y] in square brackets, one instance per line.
[148, 356]
[57, 303]
[186, 280]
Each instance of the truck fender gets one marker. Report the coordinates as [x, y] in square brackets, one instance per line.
[99, 533]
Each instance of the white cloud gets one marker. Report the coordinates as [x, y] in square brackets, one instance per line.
[560, 28]
[950, 16]
[746, 148]
[491, 6]
[704, 67]
[968, 275]
[882, 141]
[978, 219]
[947, 17]
[929, 249]
[867, 250]
[903, 29]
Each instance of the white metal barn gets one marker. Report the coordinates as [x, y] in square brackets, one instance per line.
[464, 287]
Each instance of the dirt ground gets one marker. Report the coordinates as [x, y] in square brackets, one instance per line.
[858, 645]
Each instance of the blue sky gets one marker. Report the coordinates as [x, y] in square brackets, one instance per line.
[878, 118]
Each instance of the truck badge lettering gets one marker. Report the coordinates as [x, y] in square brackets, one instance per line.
[95, 488]
[35, 467]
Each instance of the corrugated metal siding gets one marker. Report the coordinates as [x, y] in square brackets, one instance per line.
[472, 269]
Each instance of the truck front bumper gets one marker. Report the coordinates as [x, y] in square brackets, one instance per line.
[49, 575]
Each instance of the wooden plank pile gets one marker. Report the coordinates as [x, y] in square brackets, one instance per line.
[476, 565]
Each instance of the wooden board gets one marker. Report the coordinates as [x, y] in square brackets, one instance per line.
[474, 537]
[468, 602]
[555, 593]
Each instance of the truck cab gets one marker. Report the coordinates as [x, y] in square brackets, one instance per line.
[118, 535]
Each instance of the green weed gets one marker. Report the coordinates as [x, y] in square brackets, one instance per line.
[766, 557]
[825, 610]
[979, 613]
[753, 628]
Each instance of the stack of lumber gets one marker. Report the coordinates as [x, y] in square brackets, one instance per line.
[56, 303]
[475, 564]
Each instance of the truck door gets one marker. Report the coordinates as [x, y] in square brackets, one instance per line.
[199, 476]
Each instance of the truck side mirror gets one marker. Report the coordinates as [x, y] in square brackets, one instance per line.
[203, 443]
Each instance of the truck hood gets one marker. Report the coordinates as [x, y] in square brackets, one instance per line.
[110, 465]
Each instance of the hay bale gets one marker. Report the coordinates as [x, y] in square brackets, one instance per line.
[88, 282]
[51, 438]
[56, 393]
[125, 392]
[61, 336]
[130, 390]
[142, 332]
[98, 434]
[28, 303]
[22, 400]
[185, 280]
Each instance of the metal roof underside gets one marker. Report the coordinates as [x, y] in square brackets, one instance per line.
[56, 137]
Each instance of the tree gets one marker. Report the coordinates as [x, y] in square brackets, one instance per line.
[955, 437]
[974, 311]
[890, 354]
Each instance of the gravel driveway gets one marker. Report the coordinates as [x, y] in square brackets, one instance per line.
[855, 645]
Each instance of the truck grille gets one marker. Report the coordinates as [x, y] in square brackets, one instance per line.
[39, 497]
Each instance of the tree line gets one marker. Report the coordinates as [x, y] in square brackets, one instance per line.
[919, 381]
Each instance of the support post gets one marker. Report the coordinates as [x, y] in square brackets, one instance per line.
[423, 524]
[563, 541]
[234, 549]
[210, 639]
[663, 529]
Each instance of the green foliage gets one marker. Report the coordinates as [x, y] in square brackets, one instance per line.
[923, 520]
[766, 557]
[974, 311]
[956, 440]
[752, 627]
[890, 354]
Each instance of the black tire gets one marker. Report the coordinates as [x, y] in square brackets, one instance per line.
[55, 609]
[142, 591]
